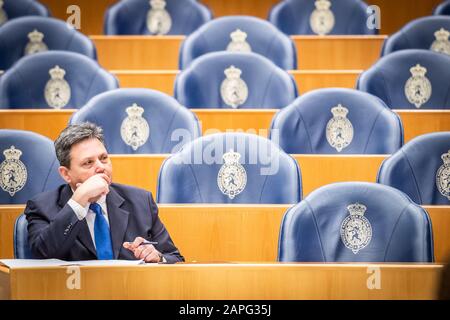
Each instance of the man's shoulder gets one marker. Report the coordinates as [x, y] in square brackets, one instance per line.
[129, 191]
[49, 196]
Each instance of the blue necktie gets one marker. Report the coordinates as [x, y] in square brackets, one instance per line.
[102, 236]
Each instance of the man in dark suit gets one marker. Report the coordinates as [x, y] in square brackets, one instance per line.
[90, 217]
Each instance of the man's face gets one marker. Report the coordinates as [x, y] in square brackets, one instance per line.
[87, 158]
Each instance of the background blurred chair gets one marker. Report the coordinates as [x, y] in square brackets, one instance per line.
[11, 9]
[28, 166]
[443, 8]
[230, 168]
[234, 80]
[53, 79]
[255, 35]
[337, 121]
[421, 169]
[21, 247]
[140, 121]
[356, 222]
[409, 79]
[321, 17]
[429, 33]
[17, 39]
[179, 17]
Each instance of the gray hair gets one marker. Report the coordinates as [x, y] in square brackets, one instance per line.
[74, 134]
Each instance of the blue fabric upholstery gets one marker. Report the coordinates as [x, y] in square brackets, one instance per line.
[57, 36]
[199, 86]
[39, 159]
[262, 37]
[443, 8]
[19, 8]
[163, 114]
[400, 230]
[22, 86]
[414, 168]
[302, 126]
[22, 249]
[128, 17]
[192, 175]
[388, 77]
[417, 34]
[293, 17]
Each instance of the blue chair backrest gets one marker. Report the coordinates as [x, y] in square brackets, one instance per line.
[420, 34]
[140, 121]
[443, 8]
[337, 121]
[262, 37]
[23, 85]
[202, 84]
[421, 169]
[303, 17]
[129, 17]
[409, 79]
[230, 168]
[21, 247]
[356, 222]
[11, 9]
[57, 36]
[28, 166]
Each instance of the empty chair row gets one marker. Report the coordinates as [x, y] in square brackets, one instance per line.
[406, 79]
[11, 9]
[230, 168]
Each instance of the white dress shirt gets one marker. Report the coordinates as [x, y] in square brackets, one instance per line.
[84, 212]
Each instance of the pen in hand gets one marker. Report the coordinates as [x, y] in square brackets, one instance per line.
[148, 242]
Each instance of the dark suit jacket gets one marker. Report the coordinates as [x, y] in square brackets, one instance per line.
[54, 230]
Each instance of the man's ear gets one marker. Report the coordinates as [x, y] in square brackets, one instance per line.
[64, 172]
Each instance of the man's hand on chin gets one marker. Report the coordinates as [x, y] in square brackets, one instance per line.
[92, 189]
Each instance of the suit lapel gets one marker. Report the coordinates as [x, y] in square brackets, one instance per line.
[84, 236]
[118, 219]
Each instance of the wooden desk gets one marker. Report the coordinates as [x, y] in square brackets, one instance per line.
[307, 80]
[229, 232]
[313, 52]
[225, 281]
[50, 122]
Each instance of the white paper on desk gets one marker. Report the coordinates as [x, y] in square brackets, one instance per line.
[105, 263]
[33, 263]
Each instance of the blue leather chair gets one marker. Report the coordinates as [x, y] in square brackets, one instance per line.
[57, 36]
[21, 247]
[402, 84]
[128, 17]
[295, 16]
[28, 166]
[443, 8]
[337, 121]
[155, 115]
[356, 222]
[421, 169]
[23, 85]
[11, 9]
[262, 37]
[202, 83]
[420, 34]
[230, 168]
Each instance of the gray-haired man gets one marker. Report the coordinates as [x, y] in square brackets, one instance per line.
[90, 217]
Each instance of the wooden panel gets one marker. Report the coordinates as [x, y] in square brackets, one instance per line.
[138, 52]
[230, 232]
[258, 8]
[5, 289]
[313, 52]
[164, 80]
[418, 122]
[50, 122]
[320, 170]
[230, 281]
[46, 122]
[337, 52]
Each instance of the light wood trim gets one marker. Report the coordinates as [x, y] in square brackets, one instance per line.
[419, 122]
[161, 80]
[208, 232]
[230, 281]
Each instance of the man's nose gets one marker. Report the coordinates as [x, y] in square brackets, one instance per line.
[99, 166]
